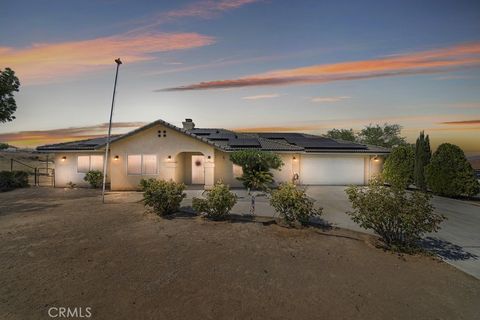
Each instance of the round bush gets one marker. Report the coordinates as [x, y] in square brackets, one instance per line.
[399, 217]
[450, 174]
[218, 202]
[399, 166]
[293, 204]
[94, 177]
[163, 196]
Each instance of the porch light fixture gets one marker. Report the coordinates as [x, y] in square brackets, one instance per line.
[209, 157]
[115, 158]
[64, 158]
[376, 159]
[169, 157]
[294, 158]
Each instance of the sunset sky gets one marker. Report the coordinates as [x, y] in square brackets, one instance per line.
[257, 65]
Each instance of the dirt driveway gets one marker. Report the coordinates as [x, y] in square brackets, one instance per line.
[64, 248]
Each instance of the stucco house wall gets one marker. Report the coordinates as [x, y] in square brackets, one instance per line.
[170, 151]
[66, 168]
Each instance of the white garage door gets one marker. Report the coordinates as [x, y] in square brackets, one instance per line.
[331, 170]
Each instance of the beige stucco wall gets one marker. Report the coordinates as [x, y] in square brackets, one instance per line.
[224, 169]
[373, 167]
[148, 142]
[66, 170]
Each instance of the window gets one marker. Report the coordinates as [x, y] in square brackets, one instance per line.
[83, 164]
[87, 163]
[237, 171]
[134, 164]
[149, 164]
[96, 163]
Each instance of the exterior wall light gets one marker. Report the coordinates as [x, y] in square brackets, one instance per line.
[115, 158]
[294, 158]
[169, 157]
[376, 159]
[209, 157]
[64, 158]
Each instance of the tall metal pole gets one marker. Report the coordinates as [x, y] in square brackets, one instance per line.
[105, 161]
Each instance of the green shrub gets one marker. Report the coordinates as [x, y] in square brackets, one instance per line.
[450, 174]
[218, 202]
[20, 179]
[256, 166]
[399, 166]
[398, 216]
[293, 204]
[10, 180]
[164, 197]
[94, 178]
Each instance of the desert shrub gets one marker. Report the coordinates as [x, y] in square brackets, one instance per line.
[217, 203]
[164, 197]
[10, 180]
[450, 174]
[399, 166]
[94, 178]
[20, 179]
[293, 204]
[398, 216]
[256, 166]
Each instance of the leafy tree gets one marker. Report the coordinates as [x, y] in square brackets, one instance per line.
[387, 135]
[4, 146]
[450, 174]
[9, 84]
[218, 203]
[94, 178]
[293, 204]
[256, 166]
[342, 134]
[422, 159]
[398, 168]
[163, 196]
[398, 216]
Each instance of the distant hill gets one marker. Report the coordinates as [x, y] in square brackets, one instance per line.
[475, 162]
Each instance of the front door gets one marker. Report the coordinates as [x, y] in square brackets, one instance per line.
[198, 170]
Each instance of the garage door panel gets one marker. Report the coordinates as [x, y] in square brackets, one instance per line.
[321, 170]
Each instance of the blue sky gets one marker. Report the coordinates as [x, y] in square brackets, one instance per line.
[63, 53]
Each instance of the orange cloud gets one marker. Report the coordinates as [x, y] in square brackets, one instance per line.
[424, 62]
[37, 137]
[462, 122]
[47, 61]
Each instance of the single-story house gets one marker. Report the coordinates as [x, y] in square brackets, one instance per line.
[200, 156]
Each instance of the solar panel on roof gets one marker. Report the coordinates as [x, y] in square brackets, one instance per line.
[253, 143]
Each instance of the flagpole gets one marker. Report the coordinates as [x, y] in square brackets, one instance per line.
[105, 161]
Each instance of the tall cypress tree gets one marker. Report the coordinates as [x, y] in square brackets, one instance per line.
[422, 158]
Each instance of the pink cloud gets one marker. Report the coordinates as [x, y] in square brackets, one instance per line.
[44, 62]
[424, 62]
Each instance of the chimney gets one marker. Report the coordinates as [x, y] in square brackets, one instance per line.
[188, 124]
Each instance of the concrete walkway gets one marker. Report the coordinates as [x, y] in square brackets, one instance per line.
[457, 242]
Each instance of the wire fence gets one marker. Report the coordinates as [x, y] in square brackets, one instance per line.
[40, 168]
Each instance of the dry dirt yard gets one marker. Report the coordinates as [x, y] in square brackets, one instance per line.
[64, 248]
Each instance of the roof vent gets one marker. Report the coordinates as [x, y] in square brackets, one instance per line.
[188, 124]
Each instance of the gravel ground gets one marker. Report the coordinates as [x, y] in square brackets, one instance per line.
[65, 248]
